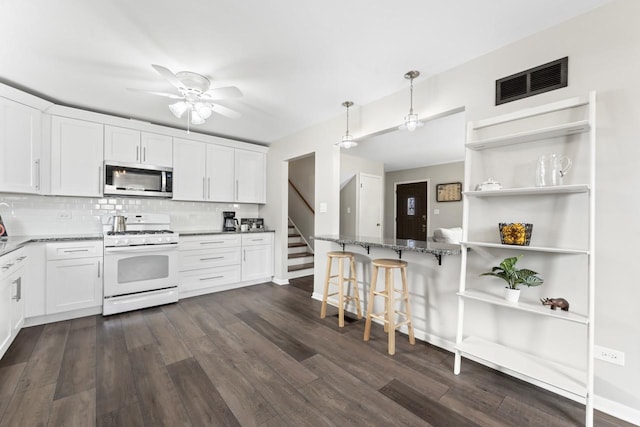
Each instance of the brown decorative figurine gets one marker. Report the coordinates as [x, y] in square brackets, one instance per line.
[554, 303]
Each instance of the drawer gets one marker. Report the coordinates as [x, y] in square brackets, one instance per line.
[12, 261]
[76, 249]
[206, 258]
[210, 241]
[257, 239]
[209, 278]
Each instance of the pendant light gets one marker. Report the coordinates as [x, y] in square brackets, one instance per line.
[347, 139]
[411, 121]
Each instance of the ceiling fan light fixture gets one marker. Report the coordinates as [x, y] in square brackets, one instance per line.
[204, 110]
[411, 121]
[196, 119]
[178, 108]
[347, 140]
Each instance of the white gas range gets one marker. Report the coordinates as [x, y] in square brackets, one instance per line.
[140, 264]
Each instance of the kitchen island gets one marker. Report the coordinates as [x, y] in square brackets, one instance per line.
[433, 278]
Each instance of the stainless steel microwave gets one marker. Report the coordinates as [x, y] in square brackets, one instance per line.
[123, 179]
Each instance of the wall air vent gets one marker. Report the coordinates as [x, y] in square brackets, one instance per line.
[534, 81]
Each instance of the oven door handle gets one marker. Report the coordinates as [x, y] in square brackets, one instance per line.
[141, 248]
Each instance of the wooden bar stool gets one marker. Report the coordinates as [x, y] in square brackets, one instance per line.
[342, 298]
[389, 314]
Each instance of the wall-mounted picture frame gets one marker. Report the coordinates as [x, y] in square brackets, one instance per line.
[449, 192]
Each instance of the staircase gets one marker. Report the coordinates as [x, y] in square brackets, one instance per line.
[300, 255]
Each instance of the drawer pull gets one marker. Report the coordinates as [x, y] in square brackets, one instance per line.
[211, 278]
[75, 250]
[257, 240]
[210, 243]
[214, 257]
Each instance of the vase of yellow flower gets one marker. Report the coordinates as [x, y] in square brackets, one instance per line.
[515, 233]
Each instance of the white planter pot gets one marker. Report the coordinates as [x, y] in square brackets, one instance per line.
[511, 295]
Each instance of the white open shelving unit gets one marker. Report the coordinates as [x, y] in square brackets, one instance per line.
[510, 133]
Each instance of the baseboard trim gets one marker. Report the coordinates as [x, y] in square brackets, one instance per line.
[281, 282]
[617, 410]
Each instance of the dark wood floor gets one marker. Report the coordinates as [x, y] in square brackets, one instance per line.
[258, 356]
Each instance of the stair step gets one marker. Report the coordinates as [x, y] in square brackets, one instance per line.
[293, 235]
[291, 226]
[296, 245]
[300, 267]
[300, 254]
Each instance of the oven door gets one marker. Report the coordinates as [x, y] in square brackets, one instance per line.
[134, 269]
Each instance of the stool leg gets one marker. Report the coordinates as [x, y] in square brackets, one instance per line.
[405, 287]
[391, 310]
[323, 309]
[356, 290]
[340, 293]
[367, 324]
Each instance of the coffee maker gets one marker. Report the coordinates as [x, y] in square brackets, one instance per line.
[229, 222]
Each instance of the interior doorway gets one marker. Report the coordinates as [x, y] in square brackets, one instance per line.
[411, 210]
[370, 203]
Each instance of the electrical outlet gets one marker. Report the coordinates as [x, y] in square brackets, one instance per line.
[64, 215]
[609, 355]
[436, 211]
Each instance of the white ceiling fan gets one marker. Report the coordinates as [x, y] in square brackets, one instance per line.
[197, 97]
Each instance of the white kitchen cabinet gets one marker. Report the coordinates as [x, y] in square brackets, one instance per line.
[74, 276]
[12, 283]
[250, 176]
[209, 263]
[203, 172]
[36, 291]
[133, 146]
[76, 157]
[20, 147]
[257, 256]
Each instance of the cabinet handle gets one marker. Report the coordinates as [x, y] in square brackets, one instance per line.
[211, 243]
[75, 250]
[99, 179]
[18, 283]
[210, 278]
[144, 154]
[137, 153]
[244, 255]
[98, 269]
[237, 190]
[38, 174]
[6, 266]
[204, 188]
[209, 188]
[214, 257]
[257, 240]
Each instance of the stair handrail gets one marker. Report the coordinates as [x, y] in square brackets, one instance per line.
[302, 197]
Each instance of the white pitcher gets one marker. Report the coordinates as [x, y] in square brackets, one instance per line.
[551, 169]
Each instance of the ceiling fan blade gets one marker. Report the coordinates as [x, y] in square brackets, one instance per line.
[167, 74]
[222, 93]
[165, 94]
[224, 111]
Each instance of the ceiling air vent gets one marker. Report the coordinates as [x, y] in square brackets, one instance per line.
[543, 78]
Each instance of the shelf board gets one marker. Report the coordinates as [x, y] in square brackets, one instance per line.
[535, 308]
[530, 191]
[554, 374]
[525, 248]
[533, 135]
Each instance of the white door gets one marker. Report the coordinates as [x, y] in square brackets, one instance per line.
[20, 128]
[189, 180]
[157, 150]
[220, 176]
[250, 176]
[122, 145]
[370, 202]
[76, 157]
[74, 284]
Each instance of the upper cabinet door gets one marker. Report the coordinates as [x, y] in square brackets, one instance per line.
[76, 157]
[122, 145]
[156, 150]
[20, 145]
[250, 176]
[220, 176]
[189, 174]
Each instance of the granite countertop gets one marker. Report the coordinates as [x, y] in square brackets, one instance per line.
[210, 232]
[435, 248]
[12, 243]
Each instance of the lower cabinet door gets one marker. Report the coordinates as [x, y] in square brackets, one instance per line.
[209, 278]
[17, 282]
[257, 262]
[74, 284]
[5, 316]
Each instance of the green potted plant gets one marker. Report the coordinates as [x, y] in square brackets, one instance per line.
[508, 272]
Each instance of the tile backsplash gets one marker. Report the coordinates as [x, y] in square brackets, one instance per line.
[25, 214]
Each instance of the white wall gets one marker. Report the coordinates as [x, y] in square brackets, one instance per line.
[450, 212]
[603, 48]
[46, 215]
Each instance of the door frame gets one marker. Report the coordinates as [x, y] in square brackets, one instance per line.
[395, 204]
[358, 188]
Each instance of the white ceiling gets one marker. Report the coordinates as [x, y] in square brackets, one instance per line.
[294, 61]
[439, 141]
